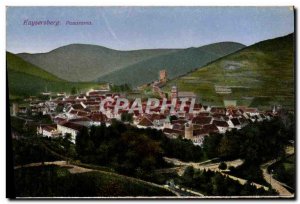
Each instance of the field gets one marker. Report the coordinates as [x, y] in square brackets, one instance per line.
[45, 181]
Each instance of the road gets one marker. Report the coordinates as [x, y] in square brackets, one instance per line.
[277, 185]
[207, 165]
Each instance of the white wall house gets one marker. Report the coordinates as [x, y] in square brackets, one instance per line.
[70, 128]
[48, 131]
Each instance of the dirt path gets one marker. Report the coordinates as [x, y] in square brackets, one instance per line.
[73, 169]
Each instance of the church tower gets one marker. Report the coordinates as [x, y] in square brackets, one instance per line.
[188, 131]
[174, 92]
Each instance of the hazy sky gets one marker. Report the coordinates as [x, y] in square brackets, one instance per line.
[129, 28]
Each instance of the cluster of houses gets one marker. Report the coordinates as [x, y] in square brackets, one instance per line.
[72, 113]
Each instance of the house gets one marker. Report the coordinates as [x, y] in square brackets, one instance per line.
[70, 128]
[243, 121]
[221, 125]
[22, 109]
[234, 123]
[167, 123]
[78, 106]
[218, 110]
[97, 118]
[199, 135]
[59, 119]
[145, 123]
[202, 120]
[251, 111]
[61, 94]
[172, 133]
[211, 128]
[48, 131]
[203, 114]
[158, 119]
[205, 109]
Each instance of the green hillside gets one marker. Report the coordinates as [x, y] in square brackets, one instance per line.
[17, 64]
[25, 79]
[81, 62]
[176, 63]
[54, 181]
[259, 75]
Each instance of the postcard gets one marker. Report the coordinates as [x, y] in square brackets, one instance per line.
[132, 102]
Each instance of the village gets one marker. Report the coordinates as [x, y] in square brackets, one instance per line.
[193, 121]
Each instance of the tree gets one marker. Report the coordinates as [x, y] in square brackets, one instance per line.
[229, 145]
[223, 166]
[83, 142]
[73, 90]
[173, 117]
[59, 109]
[127, 117]
[211, 144]
[68, 145]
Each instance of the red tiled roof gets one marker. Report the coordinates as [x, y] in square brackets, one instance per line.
[251, 110]
[218, 115]
[178, 126]
[98, 117]
[180, 121]
[59, 120]
[82, 113]
[203, 114]
[235, 121]
[158, 117]
[79, 119]
[220, 123]
[211, 128]
[145, 122]
[73, 126]
[201, 120]
[218, 110]
[49, 128]
[78, 107]
[200, 132]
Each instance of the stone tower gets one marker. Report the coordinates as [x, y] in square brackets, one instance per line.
[174, 92]
[188, 131]
[163, 76]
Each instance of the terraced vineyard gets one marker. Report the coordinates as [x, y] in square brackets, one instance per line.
[260, 75]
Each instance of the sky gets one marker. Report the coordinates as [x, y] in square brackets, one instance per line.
[132, 28]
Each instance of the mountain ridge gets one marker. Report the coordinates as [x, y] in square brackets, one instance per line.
[176, 64]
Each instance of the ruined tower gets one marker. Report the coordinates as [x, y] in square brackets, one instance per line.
[163, 76]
